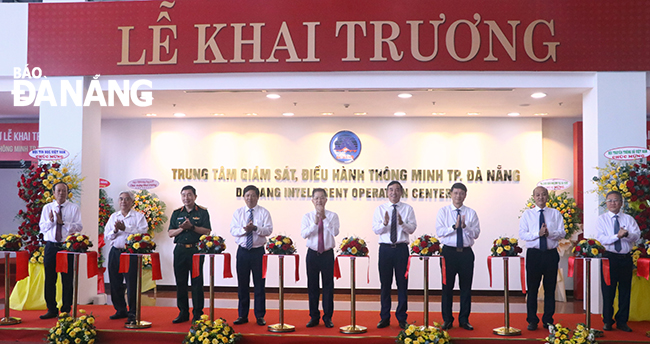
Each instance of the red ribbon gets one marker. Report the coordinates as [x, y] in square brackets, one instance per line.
[22, 265]
[91, 267]
[296, 256]
[156, 273]
[100, 281]
[196, 259]
[522, 271]
[124, 263]
[337, 269]
[605, 268]
[643, 268]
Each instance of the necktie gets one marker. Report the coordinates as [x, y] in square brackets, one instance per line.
[393, 225]
[617, 227]
[249, 235]
[321, 239]
[543, 245]
[459, 234]
[59, 227]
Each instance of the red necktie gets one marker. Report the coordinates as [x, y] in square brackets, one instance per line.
[59, 227]
[321, 240]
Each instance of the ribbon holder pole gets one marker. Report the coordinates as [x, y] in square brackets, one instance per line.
[506, 330]
[426, 294]
[281, 327]
[211, 287]
[588, 292]
[353, 328]
[138, 299]
[75, 285]
[8, 320]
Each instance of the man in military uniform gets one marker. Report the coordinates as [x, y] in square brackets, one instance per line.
[186, 226]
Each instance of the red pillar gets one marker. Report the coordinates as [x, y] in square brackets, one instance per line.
[578, 190]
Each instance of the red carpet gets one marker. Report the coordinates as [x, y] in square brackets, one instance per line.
[32, 329]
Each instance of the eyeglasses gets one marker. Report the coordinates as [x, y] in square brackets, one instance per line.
[614, 201]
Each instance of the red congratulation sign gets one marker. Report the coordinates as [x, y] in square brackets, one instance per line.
[17, 140]
[103, 183]
[220, 36]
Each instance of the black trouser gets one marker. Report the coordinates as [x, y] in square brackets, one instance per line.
[182, 268]
[461, 264]
[51, 276]
[393, 258]
[323, 265]
[250, 261]
[541, 264]
[620, 273]
[117, 282]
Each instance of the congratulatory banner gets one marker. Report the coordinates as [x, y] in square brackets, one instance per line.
[319, 175]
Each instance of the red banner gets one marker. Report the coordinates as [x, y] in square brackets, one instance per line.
[17, 140]
[217, 36]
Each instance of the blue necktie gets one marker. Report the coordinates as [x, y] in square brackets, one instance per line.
[542, 240]
[249, 235]
[617, 227]
[393, 225]
[459, 233]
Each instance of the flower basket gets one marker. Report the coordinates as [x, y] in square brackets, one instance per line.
[77, 243]
[415, 334]
[10, 242]
[139, 243]
[280, 245]
[211, 244]
[505, 247]
[69, 330]
[567, 206]
[353, 246]
[563, 335]
[425, 245]
[588, 248]
[153, 210]
[641, 250]
[205, 331]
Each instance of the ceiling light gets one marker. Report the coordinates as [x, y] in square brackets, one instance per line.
[541, 114]
[359, 113]
[218, 114]
[538, 95]
[405, 95]
[179, 114]
[151, 115]
[473, 114]
[288, 114]
[273, 96]
[327, 113]
[251, 114]
[438, 113]
[514, 114]
[400, 114]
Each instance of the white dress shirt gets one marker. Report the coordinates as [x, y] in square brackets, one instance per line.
[261, 219]
[134, 223]
[403, 231]
[447, 217]
[529, 227]
[605, 231]
[309, 230]
[71, 220]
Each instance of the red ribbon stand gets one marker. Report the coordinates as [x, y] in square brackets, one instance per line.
[443, 268]
[337, 268]
[62, 262]
[643, 268]
[22, 265]
[605, 267]
[156, 273]
[522, 271]
[196, 264]
[296, 256]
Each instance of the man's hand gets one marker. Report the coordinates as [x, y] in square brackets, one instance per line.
[119, 225]
[460, 221]
[320, 213]
[386, 219]
[249, 227]
[59, 220]
[622, 233]
[186, 225]
[543, 231]
[399, 219]
[51, 216]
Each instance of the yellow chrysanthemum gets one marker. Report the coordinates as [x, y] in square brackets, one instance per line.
[594, 251]
[354, 250]
[499, 250]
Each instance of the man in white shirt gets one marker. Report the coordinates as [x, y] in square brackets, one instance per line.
[393, 221]
[119, 226]
[319, 227]
[541, 228]
[618, 233]
[250, 226]
[58, 220]
[457, 227]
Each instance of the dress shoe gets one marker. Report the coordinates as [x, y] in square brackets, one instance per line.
[49, 315]
[312, 323]
[447, 325]
[118, 315]
[467, 326]
[130, 320]
[240, 321]
[328, 323]
[624, 327]
[532, 327]
[181, 319]
[403, 325]
[607, 327]
[261, 321]
[383, 323]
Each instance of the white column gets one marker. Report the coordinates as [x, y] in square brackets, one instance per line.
[78, 130]
[614, 115]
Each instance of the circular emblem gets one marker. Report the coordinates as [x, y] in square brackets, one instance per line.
[345, 146]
